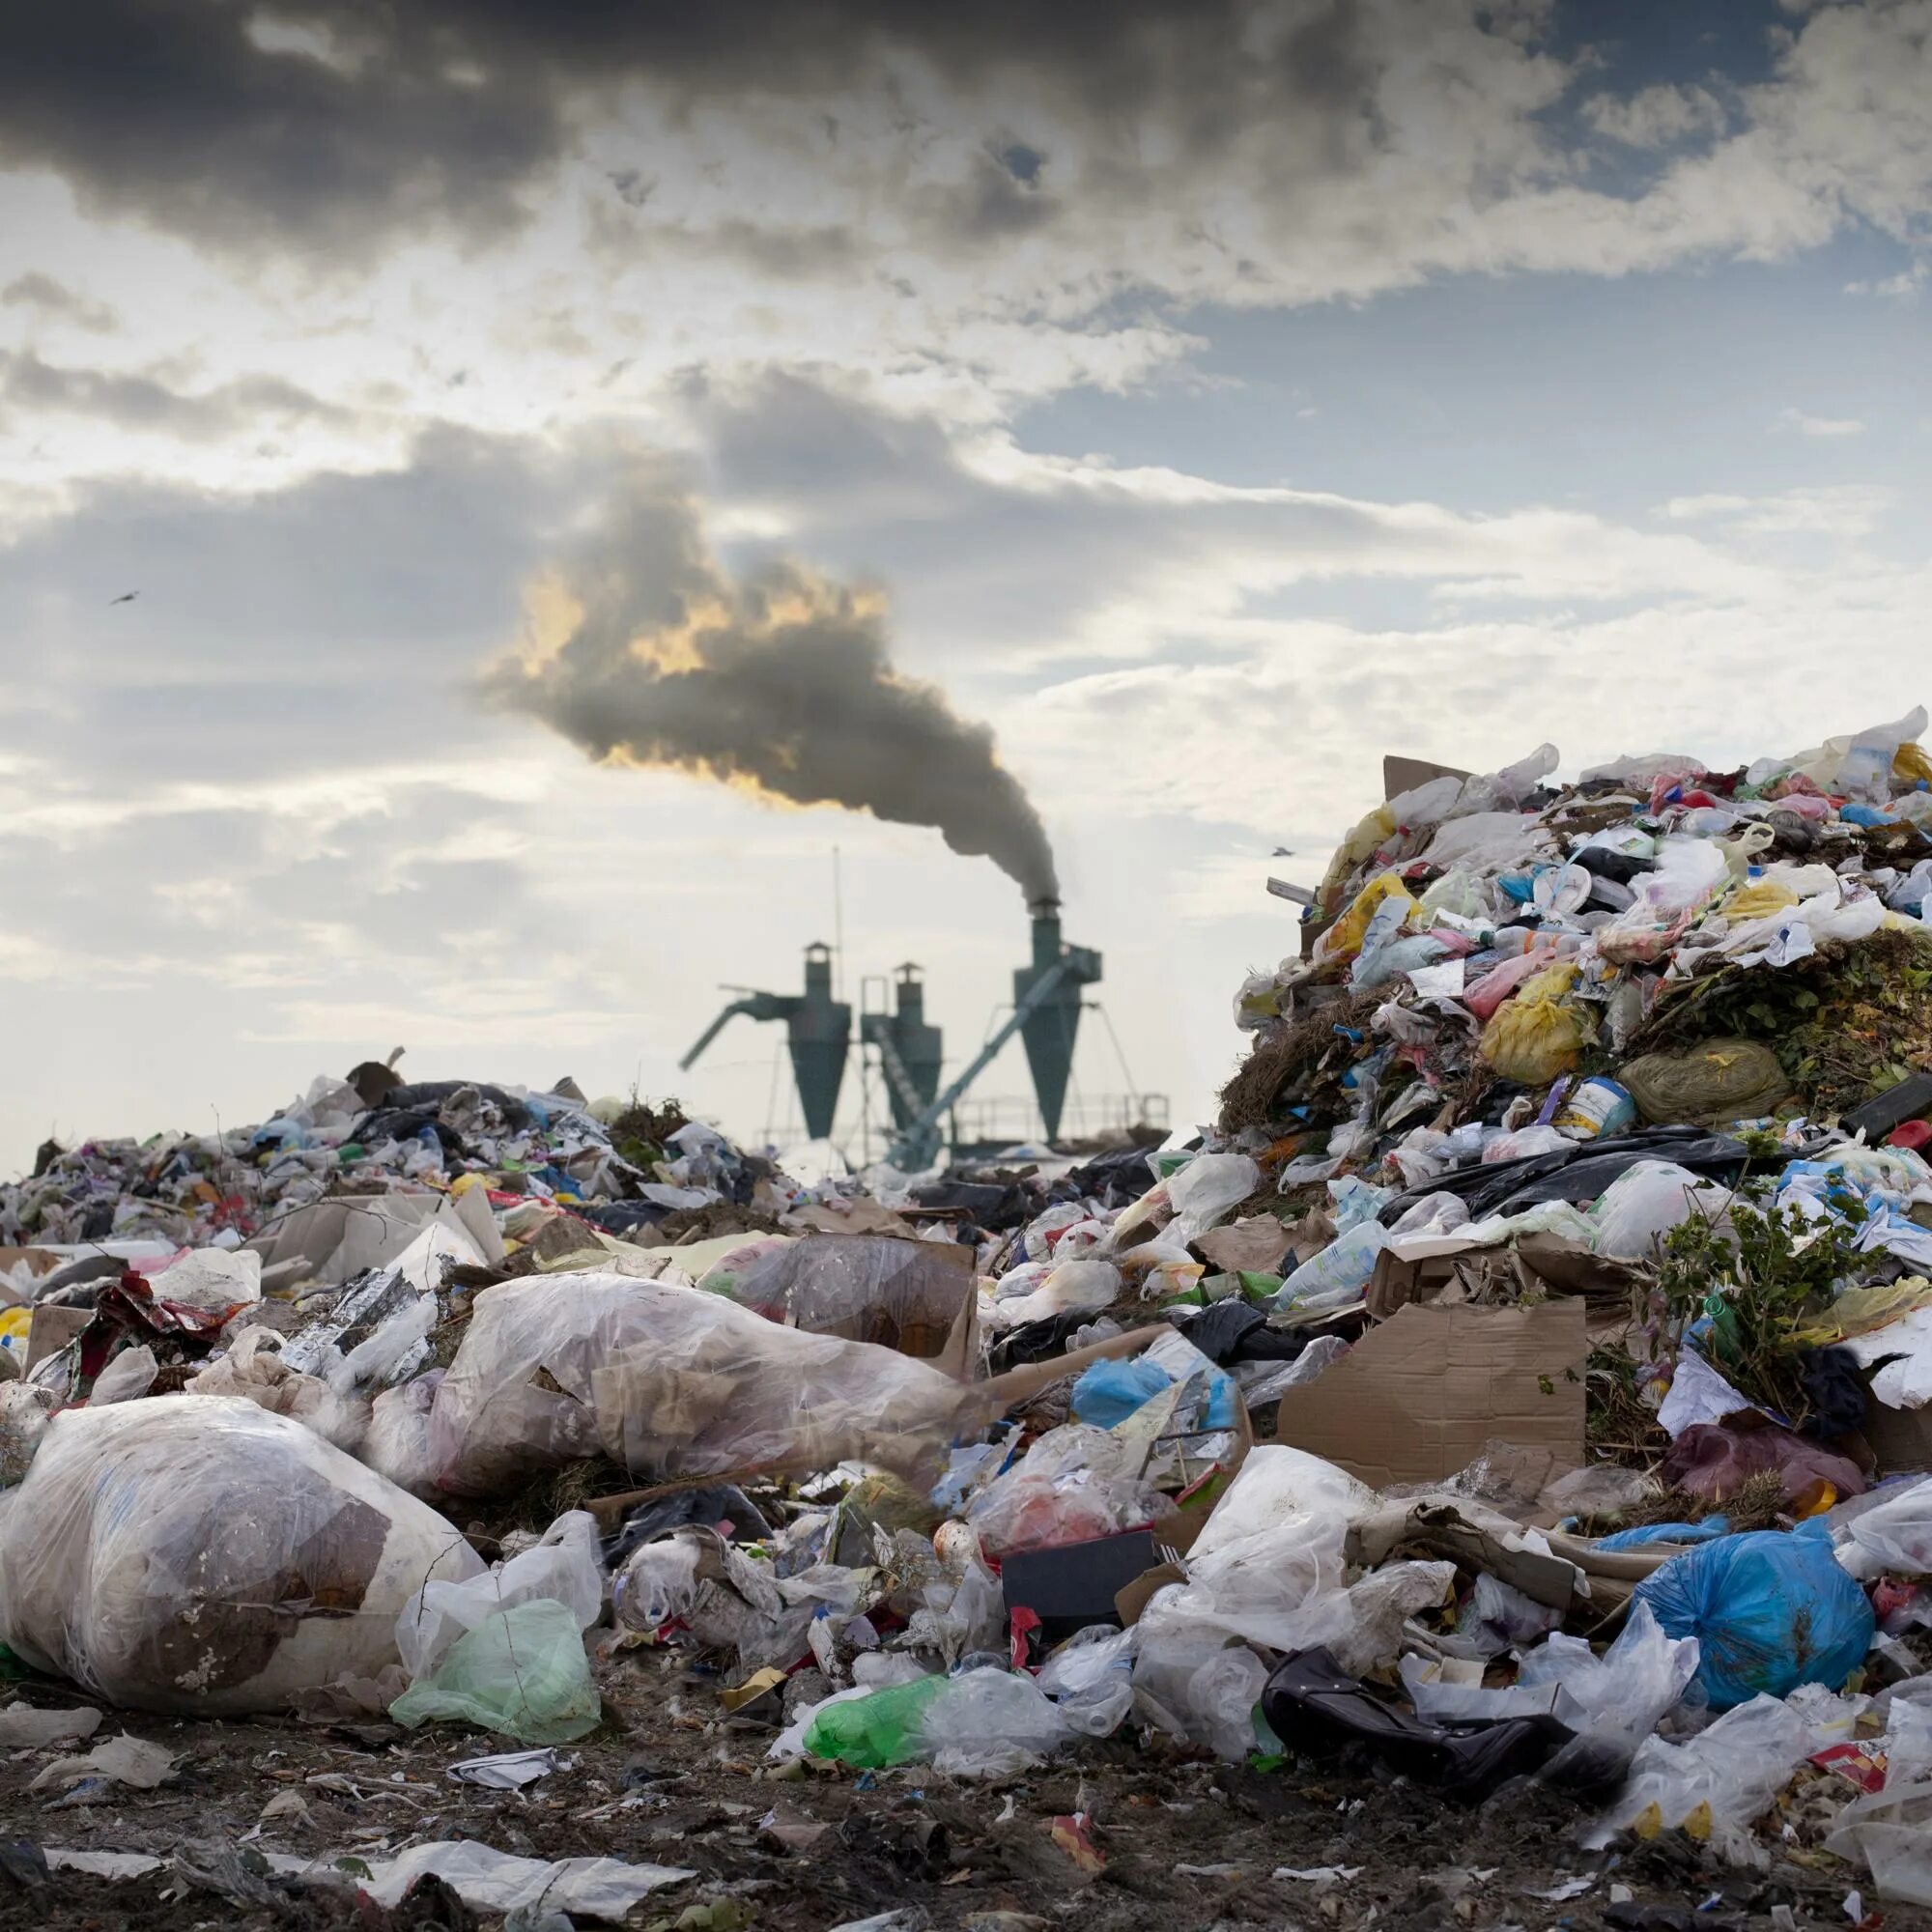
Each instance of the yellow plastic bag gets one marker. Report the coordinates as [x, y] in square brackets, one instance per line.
[1759, 900]
[1910, 765]
[1534, 1037]
[1344, 939]
[1369, 832]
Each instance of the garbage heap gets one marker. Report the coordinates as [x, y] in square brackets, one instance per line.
[1523, 1380]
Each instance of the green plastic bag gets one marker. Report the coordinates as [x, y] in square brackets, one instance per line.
[520, 1672]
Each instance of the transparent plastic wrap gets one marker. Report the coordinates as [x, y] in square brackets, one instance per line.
[396, 1442]
[901, 1294]
[1091, 1677]
[1199, 1688]
[729, 1600]
[1716, 1784]
[1075, 1484]
[200, 1554]
[1268, 1565]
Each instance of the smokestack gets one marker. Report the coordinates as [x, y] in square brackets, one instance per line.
[642, 651]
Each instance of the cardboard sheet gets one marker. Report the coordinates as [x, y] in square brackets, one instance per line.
[1416, 1398]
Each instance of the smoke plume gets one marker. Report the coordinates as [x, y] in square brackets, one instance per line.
[641, 650]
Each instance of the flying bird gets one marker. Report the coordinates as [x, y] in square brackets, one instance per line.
[126, 597]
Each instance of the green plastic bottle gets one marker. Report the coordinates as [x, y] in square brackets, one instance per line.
[874, 1731]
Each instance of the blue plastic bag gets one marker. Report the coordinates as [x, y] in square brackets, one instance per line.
[1109, 1392]
[1770, 1612]
[1706, 1531]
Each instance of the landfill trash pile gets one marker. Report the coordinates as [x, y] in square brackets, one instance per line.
[1517, 1399]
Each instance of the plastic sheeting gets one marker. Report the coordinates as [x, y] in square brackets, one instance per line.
[197, 1553]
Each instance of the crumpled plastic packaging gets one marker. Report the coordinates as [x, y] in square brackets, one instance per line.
[1201, 1688]
[1715, 1784]
[199, 1554]
[253, 1369]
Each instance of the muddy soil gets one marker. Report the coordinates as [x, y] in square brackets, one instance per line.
[668, 1779]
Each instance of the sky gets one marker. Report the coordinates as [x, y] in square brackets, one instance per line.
[532, 432]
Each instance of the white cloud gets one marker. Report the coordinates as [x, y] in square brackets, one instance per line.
[1656, 117]
[1823, 426]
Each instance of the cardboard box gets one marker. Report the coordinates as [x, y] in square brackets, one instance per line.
[1415, 1400]
[53, 1328]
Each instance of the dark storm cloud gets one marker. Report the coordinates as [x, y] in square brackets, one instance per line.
[642, 651]
[388, 116]
[133, 400]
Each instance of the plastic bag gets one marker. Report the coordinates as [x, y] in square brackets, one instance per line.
[563, 1565]
[672, 1381]
[505, 1650]
[981, 1724]
[1344, 939]
[1860, 766]
[1713, 1785]
[1200, 1689]
[1534, 1037]
[1083, 1282]
[1711, 1084]
[396, 1443]
[992, 1723]
[1075, 1484]
[128, 1377]
[902, 1294]
[199, 1554]
[1209, 1189]
[1896, 1535]
[1268, 1565]
[1620, 1695]
[1091, 1677]
[1645, 1202]
[1109, 1392]
[25, 1411]
[1769, 1611]
[1888, 1828]
[521, 1673]
[1342, 1267]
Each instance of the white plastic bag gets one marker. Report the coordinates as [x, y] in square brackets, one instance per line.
[1893, 1535]
[1645, 1202]
[564, 1565]
[1269, 1565]
[1210, 1189]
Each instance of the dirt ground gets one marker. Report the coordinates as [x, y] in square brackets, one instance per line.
[667, 1780]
